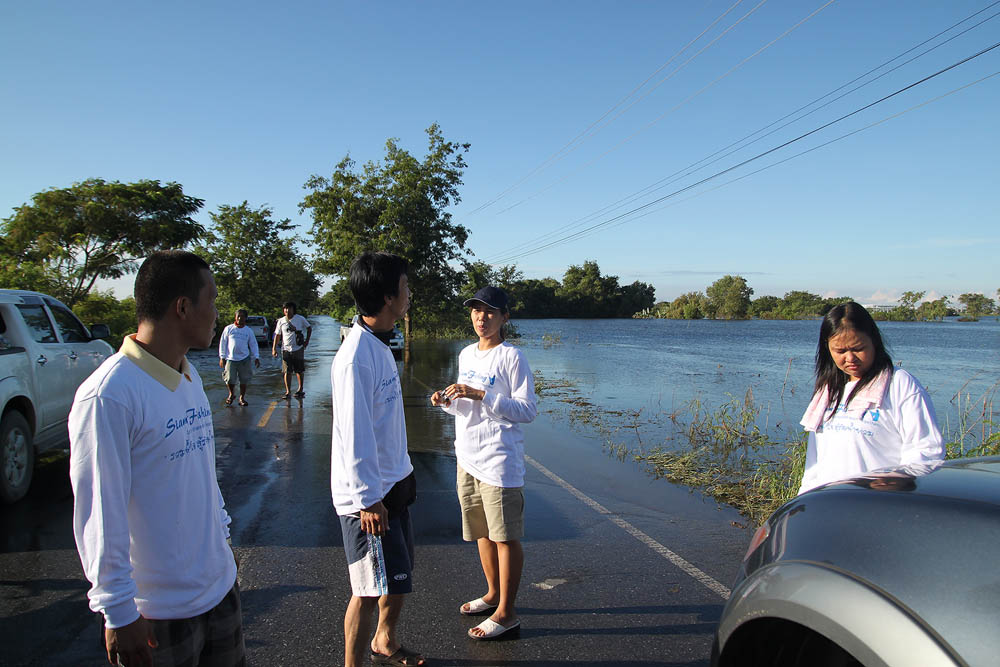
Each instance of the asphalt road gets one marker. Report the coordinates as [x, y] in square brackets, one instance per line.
[620, 569]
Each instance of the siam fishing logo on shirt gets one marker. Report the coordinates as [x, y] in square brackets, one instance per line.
[195, 426]
[391, 384]
[483, 378]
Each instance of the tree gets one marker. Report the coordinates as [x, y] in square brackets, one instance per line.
[689, 306]
[536, 298]
[397, 205]
[634, 298]
[586, 293]
[729, 297]
[933, 310]
[975, 304]
[69, 237]
[798, 304]
[255, 266]
[338, 303]
[765, 307]
[103, 308]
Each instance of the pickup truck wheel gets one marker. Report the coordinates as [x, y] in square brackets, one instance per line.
[17, 457]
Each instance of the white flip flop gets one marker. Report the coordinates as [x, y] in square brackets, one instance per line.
[493, 630]
[477, 606]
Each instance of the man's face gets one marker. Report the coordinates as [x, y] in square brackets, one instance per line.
[241, 319]
[200, 324]
[400, 303]
[288, 311]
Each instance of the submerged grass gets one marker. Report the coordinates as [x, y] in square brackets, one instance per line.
[726, 454]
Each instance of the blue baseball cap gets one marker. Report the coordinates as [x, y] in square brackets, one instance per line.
[494, 297]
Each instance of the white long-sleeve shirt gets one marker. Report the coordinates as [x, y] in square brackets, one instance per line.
[489, 440]
[238, 343]
[368, 453]
[148, 517]
[901, 431]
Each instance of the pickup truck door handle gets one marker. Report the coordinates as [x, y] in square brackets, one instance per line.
[41, 360]
[72, 355]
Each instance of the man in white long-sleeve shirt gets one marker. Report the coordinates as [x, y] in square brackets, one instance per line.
[237, 347]
[148, 516]
[371, 477]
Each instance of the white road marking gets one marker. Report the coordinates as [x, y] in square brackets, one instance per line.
[684, 566]
[549, 584]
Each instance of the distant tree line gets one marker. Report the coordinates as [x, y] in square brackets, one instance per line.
[729, 298]
[583, 293]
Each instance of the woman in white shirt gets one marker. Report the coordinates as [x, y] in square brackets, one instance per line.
[495, 394]
[865, 414]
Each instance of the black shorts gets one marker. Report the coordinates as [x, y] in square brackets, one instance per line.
[293, 361]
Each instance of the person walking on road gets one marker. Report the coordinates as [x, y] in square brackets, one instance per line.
[294, 332]
[371, 476]
[494, 395]
[149, 520]
[237, 346]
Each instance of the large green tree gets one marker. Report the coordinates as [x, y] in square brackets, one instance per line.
[397, 205]
[256, 261]
[729, 298]
[586, 293]
[68, 238]
[976, 304]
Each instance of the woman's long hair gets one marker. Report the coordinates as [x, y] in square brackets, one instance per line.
[847, 317]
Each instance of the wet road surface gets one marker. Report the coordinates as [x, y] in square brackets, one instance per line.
[620, 569]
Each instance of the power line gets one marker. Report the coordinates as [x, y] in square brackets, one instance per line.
[809, 150]
[687, 188]
[706, 161]
[671, 110]
[579, 138]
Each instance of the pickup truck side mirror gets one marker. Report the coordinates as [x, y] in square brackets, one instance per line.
[100, 331]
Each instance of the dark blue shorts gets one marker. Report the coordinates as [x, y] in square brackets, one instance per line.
[379, 565]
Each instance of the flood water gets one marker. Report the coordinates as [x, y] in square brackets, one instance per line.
[660, 366]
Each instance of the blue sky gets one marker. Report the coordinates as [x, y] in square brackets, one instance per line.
[247, 100]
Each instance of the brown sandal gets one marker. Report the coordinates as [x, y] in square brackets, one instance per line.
[404, 657]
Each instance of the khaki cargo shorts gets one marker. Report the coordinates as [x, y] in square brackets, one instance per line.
[489, 511]
[241, 370]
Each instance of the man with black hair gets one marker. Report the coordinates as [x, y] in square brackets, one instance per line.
[148, 517]
[371, 477]
[294, 332]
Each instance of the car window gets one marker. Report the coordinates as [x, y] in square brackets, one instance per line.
[38, 323]
[255, 321]
[70, 328]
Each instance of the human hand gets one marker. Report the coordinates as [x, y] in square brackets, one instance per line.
[130, 644]
[274, 352]
[222, 363]
[375, 519]
[438, 398]
[464, 391]
[256, 363]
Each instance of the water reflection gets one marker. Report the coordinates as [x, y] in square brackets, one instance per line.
[433, 365]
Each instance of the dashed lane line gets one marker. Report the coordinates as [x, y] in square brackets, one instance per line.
[663, 551]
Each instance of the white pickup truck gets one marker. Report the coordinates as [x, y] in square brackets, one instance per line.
[45, 353]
